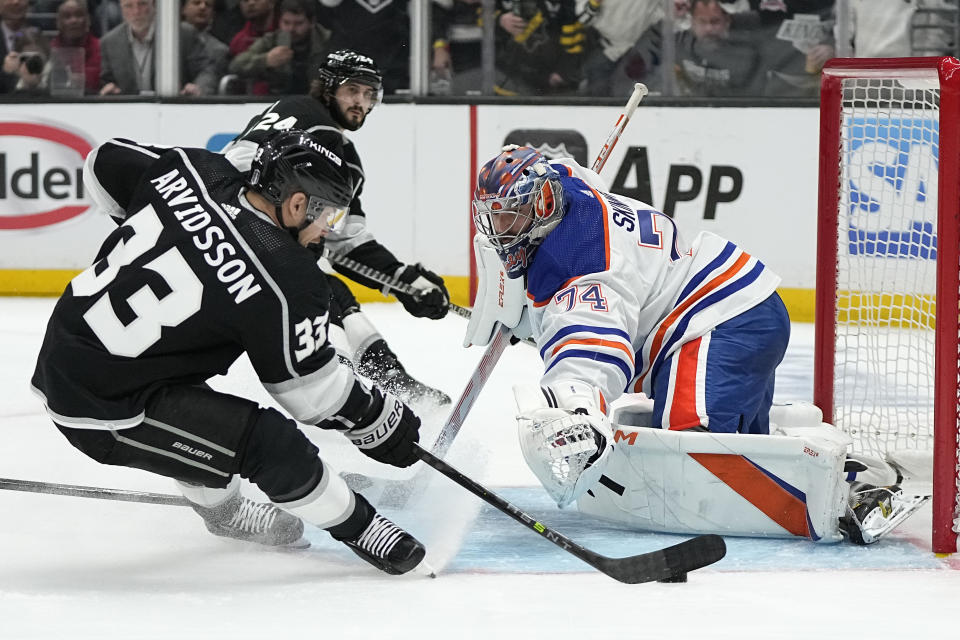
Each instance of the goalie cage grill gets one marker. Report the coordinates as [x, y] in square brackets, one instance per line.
[886, 348]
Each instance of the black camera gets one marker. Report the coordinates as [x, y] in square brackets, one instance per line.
[33, 62]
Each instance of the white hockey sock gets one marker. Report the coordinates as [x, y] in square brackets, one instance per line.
[207, 497]
[329, 504]
[360, 333]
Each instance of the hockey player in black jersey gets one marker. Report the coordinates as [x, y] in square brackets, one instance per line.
[207, 264]
[348, 88]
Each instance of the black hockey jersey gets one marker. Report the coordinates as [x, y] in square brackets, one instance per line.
[304, 112]
[193, 277]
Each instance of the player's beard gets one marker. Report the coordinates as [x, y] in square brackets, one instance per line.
[342, 118]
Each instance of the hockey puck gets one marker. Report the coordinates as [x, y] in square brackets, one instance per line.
[679, 577]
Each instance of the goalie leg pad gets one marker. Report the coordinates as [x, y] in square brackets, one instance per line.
[728, 484]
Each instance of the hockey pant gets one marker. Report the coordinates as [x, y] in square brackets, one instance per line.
[723, 381]
[200, 436]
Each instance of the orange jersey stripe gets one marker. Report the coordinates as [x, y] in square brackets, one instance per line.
[683, 408]
[598, 342]
[676, 313]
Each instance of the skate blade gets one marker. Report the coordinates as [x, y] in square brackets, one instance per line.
[425, 570]
[296, 545]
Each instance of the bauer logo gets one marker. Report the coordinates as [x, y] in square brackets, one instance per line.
[41, 174]
[891, 173]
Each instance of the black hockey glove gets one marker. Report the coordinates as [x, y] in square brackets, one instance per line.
[433, 301]
[388, 431]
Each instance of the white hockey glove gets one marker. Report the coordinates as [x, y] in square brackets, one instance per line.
[564, 436]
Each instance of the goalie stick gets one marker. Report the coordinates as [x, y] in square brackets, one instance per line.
[670, 564]
[398, 494]
[639, 90]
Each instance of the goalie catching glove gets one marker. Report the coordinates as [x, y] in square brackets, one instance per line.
[432, 302]
[565, 436]
[382, 427]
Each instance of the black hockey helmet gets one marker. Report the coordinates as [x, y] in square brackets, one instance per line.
[345, 66]
[297, 161]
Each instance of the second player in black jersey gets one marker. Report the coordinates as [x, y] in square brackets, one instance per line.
[348, 88]
[205, 265]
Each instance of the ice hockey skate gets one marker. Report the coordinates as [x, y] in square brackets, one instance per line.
[380, 365]
[387, 547]
[873, 512]
[243, 519]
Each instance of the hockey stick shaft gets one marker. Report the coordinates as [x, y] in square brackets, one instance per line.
[383, 278]
[398, 494]
[501, 338]
[662, 564]
[639, 91]
[100, 493]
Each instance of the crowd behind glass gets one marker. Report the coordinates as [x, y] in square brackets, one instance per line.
[555, 48]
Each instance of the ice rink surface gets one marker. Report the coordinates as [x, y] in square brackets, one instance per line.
[81, 568]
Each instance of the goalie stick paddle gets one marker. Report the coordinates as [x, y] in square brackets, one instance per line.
[670, 564]
[101, 493]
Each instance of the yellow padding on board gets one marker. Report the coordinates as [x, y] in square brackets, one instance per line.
[52, 282]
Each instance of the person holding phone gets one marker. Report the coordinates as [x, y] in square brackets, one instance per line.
[286, 60]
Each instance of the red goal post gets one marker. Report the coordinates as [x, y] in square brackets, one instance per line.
[886, 339]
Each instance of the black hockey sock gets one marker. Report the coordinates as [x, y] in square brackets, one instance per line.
[378, 360]
[354, 525]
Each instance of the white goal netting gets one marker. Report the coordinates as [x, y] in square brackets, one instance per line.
[886, 264]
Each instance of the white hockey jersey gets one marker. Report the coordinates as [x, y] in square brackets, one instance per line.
[614, 289]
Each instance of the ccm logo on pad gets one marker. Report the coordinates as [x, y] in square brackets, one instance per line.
[41, 174]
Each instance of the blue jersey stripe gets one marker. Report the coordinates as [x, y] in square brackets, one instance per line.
[583, 328]
[708, 301]
[593, 355]
[698, 279]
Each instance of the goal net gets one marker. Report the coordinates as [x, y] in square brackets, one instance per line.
[886, 353]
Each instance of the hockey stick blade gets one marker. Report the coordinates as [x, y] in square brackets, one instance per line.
[668, 564]
[101, 493]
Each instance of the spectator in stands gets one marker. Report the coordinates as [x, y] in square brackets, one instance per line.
[379, 29]
[13, 29]
[456, 60]
[540, 47]
[712, 60]
[888, 28]
[73, 30]
[795, 40]
[289, 58]
[228, 20]
[261, 18]
[32, 71]
[127, 55]
[106, 15]
[199, 14]
[613, 26]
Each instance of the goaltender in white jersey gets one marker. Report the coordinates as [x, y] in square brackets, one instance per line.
[618, 302]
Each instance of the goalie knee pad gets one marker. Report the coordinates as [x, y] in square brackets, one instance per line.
[280, 459]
